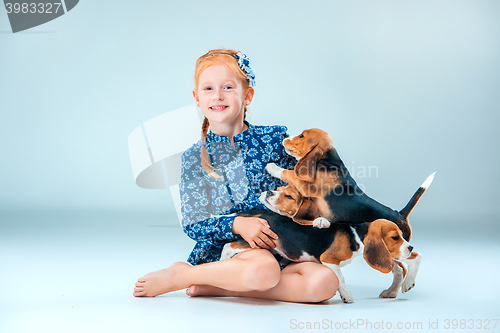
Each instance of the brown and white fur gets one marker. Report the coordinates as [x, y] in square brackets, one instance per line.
[321, 176]
[380, 242]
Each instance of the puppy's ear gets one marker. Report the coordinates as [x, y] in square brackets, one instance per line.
[305, 169]
[376, 253]
[307, 212]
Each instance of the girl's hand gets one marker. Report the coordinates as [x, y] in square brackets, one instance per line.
[255, 231]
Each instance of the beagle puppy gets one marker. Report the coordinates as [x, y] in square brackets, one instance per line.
[288, 201]
[380, 242]
[321, 176]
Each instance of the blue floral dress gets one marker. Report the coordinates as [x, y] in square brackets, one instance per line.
[209, 204]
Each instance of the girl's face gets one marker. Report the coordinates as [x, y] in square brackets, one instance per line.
[221, 96]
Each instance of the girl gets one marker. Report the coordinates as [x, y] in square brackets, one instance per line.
[222, 175]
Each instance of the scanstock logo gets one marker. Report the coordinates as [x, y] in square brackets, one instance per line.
[28, 13]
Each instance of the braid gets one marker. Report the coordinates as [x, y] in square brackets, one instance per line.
[205, 158]
[204, 129]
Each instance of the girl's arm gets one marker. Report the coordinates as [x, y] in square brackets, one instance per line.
[201, 203]
[204, 203]
[213, 230]
[255, 231]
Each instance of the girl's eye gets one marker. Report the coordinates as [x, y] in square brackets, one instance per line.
[228, 87]
[208, 88]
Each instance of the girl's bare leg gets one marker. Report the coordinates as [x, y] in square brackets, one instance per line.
[301, 282]
[250, 270]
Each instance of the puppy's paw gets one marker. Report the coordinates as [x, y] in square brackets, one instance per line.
[274, 170]
[388, 293]
[347, 299]
[408, 284]
[345, 295]
[321, 223]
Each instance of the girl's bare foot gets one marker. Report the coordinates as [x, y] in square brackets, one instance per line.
[206, 290]
[161, 282]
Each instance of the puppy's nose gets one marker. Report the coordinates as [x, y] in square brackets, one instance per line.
[410, 248]
[269, 194]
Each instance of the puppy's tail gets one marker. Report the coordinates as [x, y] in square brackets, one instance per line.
[414, 199]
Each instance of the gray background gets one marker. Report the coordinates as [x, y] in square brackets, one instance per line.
[407, 87]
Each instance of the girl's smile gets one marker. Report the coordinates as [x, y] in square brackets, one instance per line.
[216, 108]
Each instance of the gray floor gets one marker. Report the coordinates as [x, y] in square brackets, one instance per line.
[74, 272]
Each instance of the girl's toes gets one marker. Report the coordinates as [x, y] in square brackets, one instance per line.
[192, 291]
[138, 293]
[138, 290]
